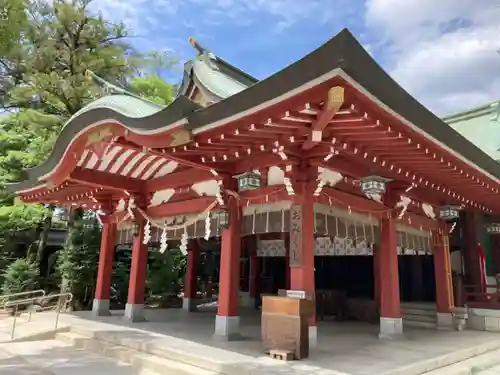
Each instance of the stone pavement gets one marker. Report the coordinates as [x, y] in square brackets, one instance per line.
[343, 347]
[15, 365]
[57, 358]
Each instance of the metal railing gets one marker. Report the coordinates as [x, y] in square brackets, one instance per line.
[485, 297]
[39, 304]
[20, 296]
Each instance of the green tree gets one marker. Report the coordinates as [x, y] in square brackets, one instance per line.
[12, 21]
[20, 276]
[44, 61]
[152, 87]
[77, 262]
[165, 274]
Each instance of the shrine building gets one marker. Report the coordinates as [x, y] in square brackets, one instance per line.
[326, 177]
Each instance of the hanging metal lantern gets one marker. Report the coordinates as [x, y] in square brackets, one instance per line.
[493, 228]
[449, 212]
[374, 184]
[249, 181]
[223, 219]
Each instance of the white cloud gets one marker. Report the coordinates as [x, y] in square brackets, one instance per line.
[443, 52]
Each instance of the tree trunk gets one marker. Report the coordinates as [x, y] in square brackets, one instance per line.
[44, 235]
[31, 252]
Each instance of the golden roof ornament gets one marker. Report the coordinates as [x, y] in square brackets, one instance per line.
[203, 54]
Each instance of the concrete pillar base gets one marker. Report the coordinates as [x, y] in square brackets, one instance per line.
[313, 336]
[189, 304]
[444, 321]
[227, 328]
[100, 307]
[390, 328]
[134, 313]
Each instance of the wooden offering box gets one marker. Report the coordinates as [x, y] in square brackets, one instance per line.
[285, 324]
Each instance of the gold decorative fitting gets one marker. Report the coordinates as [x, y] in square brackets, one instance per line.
[335, 98]
[98, 136]
[180, 138]
[50, 185]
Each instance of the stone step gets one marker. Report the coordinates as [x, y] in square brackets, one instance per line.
[418, 324]
[420, 318]
[419, 306]
[201, 357]
[52, 357]
[483, 364]
[414, 311]
[137, 359]
[489, 349]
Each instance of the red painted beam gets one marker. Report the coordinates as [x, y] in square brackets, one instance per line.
[276, 196]
[184, 178]
[93, 178]
[333, 103]
[262, 192]
[368, 206]
[192, 206]
[356, 203]
[264, 160]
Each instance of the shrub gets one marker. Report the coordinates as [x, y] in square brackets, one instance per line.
[20, 276]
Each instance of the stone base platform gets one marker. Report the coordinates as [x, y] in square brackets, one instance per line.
[177, 337]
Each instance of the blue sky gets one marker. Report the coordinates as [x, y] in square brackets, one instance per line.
[443, 52]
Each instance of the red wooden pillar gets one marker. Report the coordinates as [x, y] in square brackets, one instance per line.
[443, 276]
[100, 305]
[190, 284]
[391, 323]
[227, 321]
[134, 310]
[301, 256]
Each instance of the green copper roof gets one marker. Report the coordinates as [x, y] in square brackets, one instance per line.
[481, 126]
[126, 105]
[215, 77]
[492, 108]
[218, 83]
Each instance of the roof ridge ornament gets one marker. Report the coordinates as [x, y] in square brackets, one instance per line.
[111, 89]
[204, 54]
[108, 87]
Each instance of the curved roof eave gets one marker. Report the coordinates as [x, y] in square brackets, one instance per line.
[343, 53]
[148, 124]
[341, 56]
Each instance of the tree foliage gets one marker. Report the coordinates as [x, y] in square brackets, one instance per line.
[44, 59]
[13, 19]
[77, 262]
[152, 87]
[166, 273]
[20, 276]
[46, 51]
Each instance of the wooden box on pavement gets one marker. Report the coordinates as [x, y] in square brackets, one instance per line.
[285, 323]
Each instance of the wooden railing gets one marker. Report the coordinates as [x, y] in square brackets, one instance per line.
[481, 297]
